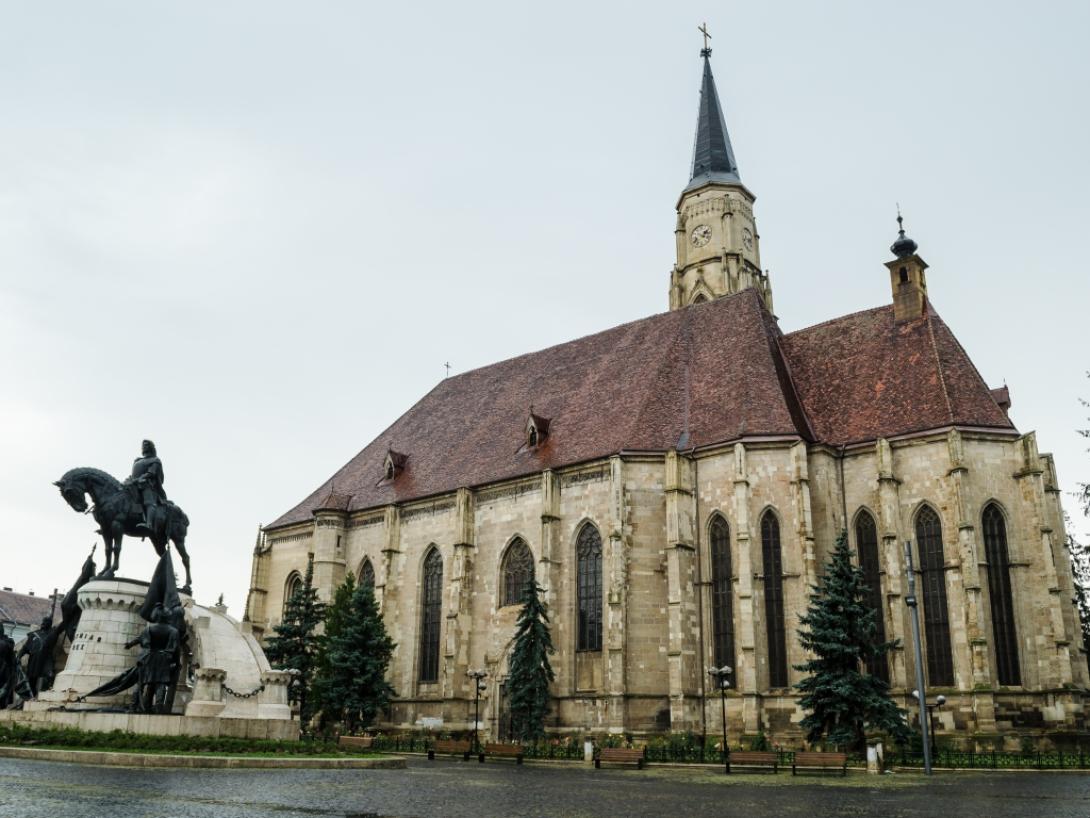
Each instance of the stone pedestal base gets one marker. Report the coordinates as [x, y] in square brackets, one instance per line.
[98, 652]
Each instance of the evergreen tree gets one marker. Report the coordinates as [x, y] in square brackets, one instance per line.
[295, 645]
[355, 657]
[1080, 570]
[841, 700]
[337, 614]
[529, 670]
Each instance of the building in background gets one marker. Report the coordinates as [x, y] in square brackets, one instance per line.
[22, 613]
[676, 483]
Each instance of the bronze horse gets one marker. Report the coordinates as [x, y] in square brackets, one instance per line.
[118, 512]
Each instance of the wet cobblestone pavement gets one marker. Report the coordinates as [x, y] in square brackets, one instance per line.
[41, 789]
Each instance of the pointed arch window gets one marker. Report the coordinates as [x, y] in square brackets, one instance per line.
[293, 586]
[517, 572]
[1002, 600]
[866, 541]
[431, 609]
[772, 556]
[367, 573]
[722, 602]
[588, 552]
[936, 615]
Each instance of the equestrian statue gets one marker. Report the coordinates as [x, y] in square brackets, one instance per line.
[138, 507]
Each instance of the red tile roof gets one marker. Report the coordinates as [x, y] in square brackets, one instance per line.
[864, 376]
[698, 376]
[24, 609]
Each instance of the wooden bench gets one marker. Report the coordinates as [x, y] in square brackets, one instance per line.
[820, 761]
[753, 758]
[449, 747]
[619, 755]
[355, 742]
[502, 751]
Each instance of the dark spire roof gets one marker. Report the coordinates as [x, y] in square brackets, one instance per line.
[713, 157]
[904, 246]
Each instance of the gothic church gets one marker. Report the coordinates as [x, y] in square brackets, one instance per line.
[677, 499]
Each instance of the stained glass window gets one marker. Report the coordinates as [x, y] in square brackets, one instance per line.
[722, 608]
[936, 616]
[589, 588]
[866, 541]
[1002, 601]
[518, 572]
[430, 616]
[774, 619]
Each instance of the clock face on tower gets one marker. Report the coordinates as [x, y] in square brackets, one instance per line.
[701, 235]
[747, 238]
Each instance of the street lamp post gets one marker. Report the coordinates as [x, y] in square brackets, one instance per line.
[911, 602]
[722, 680]
[940, 700]
[478, 688]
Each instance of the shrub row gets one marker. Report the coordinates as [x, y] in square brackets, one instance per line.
[67, 737]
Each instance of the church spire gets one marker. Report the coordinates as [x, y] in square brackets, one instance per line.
[713, 156]
[718, 249]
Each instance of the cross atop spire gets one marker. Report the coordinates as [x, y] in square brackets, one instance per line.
[703, 29]
[713, 156]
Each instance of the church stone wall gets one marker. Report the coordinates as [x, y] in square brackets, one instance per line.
[653, 514]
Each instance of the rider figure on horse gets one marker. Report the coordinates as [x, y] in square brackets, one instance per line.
[147, 479]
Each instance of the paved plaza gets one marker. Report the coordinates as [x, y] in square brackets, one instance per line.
[39, 789]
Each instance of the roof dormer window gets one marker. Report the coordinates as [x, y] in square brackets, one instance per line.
[393, 465]
[537, 429]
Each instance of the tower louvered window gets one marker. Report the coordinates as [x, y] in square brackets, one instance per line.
[1002, 602]
[936, 616]
[518, 572]
[589, 588]
[774, 618]
[430, 616]
[866, 540]
[722, 608]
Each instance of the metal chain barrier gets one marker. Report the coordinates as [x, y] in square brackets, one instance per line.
[238, 695]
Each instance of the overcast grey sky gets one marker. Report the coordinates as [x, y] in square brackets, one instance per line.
[255, 231]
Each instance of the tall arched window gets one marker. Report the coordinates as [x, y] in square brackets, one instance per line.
[292, 587]
[866, 540]
[722, 609]
[431, 609]
[936, 616]
[367, 573]
[588, 552]
[999, 593]
[772, 556]
[517, 572]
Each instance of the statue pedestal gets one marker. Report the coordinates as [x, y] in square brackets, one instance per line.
[98, 653]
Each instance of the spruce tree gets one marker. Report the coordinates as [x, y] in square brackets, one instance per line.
[357, 654]
[529, 670]
[337, 614]
[295, 645]
[841, 700]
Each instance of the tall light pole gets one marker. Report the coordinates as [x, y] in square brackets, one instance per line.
[721, 675]
[914, 617]
[478, 688]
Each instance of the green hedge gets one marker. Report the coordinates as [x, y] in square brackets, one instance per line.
[21, 735]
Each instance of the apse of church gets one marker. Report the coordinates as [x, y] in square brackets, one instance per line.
[677, 520]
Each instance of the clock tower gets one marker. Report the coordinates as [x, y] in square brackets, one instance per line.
[718, 249]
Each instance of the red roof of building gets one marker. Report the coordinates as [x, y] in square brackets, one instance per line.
[707, 374]
[23, 609]
[864, 376]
